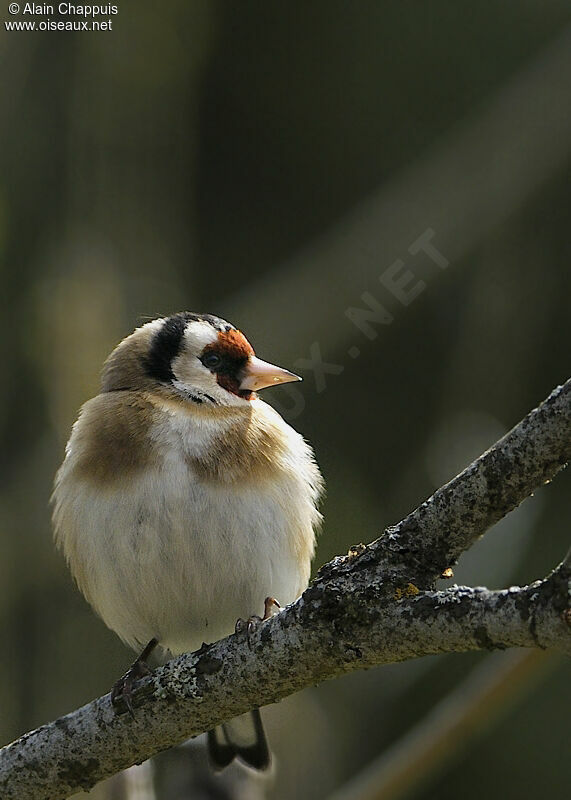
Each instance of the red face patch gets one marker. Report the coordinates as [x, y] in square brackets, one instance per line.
[234, 351]
[233, 344]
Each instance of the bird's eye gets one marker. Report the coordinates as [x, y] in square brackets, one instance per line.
[211, 360]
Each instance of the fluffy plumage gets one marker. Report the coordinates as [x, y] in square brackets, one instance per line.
[184, 500]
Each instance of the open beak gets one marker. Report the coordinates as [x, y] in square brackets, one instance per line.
[258, 374]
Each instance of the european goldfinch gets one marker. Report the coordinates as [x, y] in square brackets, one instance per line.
[184, 501]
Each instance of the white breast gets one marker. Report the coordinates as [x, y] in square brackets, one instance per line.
[179, 558]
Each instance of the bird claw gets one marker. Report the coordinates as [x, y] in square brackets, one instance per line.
[269, 603]
[122, 691]
[250, 626]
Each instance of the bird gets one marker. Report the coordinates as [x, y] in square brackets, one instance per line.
[185, 502]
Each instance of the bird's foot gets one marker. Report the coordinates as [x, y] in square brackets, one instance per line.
[122, 690]
[250, 626]
[269, 604]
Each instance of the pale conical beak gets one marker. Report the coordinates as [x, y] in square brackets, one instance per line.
[258, 374]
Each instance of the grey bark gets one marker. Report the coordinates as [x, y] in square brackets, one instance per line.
[376, 605]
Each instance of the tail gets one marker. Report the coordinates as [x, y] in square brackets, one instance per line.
[242, 737]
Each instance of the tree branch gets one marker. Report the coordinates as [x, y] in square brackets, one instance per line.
[435, 534]
[376, 605]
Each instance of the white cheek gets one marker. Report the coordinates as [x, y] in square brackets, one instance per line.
[192, 383]
[193, 378]
[189, 371]
[190, 374]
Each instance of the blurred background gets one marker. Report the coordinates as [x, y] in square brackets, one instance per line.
[281, 165]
